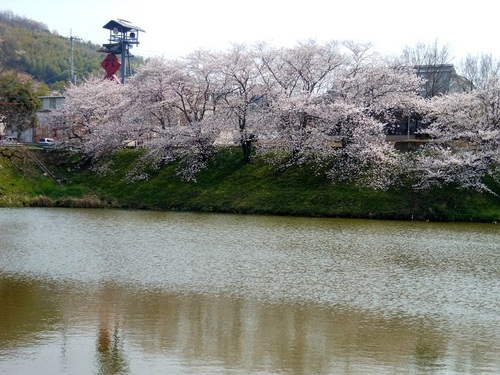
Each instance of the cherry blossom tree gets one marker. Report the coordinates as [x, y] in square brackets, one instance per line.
[295, 79]
[384, 88]
[244, 96]
[176, 101]
[94, 116]
[325, 104]
[151, 94]
[363, 155]
[465, 128]
[341, 121]
[197, 87]
[191, 146]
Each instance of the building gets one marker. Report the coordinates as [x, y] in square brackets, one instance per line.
[441, 79]
[45, 129]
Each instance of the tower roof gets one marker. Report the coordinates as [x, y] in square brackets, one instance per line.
[122, 26]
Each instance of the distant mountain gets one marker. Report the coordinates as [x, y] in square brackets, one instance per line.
[27, 46]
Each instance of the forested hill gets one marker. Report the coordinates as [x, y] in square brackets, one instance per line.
[27, 46]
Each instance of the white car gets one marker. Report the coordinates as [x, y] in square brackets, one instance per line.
[45, 142]
[10, 141]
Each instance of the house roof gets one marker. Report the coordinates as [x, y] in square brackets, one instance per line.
[448, 68]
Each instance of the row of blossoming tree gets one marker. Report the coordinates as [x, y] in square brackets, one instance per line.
[325, 105]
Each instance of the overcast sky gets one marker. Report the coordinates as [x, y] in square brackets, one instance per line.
[176, 28]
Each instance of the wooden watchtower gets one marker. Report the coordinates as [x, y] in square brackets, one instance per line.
[122, 37]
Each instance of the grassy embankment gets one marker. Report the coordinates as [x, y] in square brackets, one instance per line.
[227, 185]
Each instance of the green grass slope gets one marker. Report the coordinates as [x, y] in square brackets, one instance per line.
[227, 185]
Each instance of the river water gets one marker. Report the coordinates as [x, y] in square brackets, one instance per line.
[140, 292]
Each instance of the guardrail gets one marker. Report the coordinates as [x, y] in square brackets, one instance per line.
[56, 146]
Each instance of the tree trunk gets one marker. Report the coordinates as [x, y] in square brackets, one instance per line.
[246, 146]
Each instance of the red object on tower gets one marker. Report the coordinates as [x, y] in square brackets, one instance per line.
[122, 36]
[111, 64]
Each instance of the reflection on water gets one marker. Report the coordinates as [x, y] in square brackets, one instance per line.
[114, 292]
[204, 333]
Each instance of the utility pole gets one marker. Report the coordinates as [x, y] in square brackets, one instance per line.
[71, 59]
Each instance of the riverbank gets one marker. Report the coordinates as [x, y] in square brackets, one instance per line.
[228, 186]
